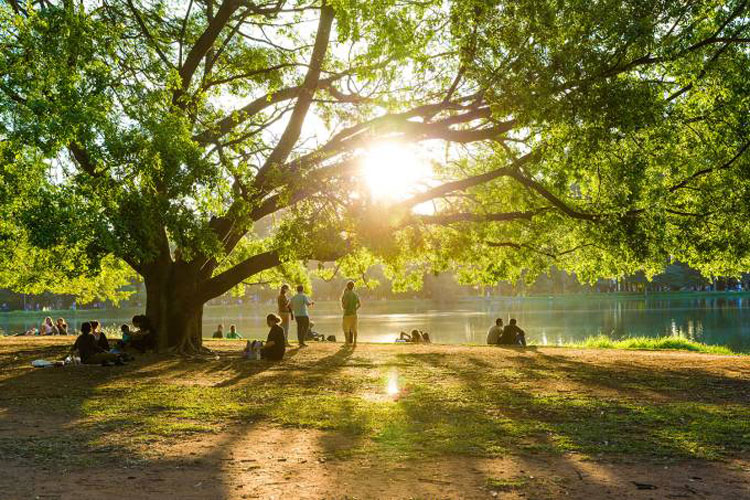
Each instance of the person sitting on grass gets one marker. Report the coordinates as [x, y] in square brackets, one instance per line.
[512, 335]
[89, 351]
[127, 336]
[144, 338]
[62, 326]
[275, 346]
[426, 338]
[101, 339]
[493, 336]
[47, 327]
[219, 333]
[233, 333]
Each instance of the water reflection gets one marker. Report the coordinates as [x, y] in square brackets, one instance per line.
[714, 319]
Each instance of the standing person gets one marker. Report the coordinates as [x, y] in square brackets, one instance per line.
[300, 303]
[350, 304]
[494, 334]
[512, 335]
[285, 311]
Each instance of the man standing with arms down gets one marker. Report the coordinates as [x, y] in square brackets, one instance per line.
[350, 304]
[300, 303]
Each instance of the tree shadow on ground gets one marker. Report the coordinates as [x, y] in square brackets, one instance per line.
[78, 416]
[533, 416]
[451, 404]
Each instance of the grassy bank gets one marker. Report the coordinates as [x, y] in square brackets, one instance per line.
[650, 344]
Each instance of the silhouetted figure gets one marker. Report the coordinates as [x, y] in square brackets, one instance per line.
[512, 335]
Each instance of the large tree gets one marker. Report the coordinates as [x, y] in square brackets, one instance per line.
[601, 137]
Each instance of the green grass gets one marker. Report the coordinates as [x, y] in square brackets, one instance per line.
[453, 400]
[650, 344]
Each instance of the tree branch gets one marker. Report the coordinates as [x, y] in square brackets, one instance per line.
[203, 45]
[225, 281]
[293, 129]
[705, 171]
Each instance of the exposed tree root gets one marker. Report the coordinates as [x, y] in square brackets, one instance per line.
[188, 348]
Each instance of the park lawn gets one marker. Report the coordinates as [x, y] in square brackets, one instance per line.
[382, 404]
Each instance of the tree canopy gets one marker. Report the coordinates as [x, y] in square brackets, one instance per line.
[203, 142]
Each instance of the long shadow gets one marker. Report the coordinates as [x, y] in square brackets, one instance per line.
[686, 385]
[528, 421]
[578, 421]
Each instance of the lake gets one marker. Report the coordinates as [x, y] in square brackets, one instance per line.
[720, 319]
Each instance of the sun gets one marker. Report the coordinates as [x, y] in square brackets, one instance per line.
[394, 171]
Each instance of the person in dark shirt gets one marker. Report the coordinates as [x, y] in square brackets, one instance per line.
[275, 345]
[101, 339]
[89, 350]
[219, 333]
[414, 337]
[144, 338]
[512, 335]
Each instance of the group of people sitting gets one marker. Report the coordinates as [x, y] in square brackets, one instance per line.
[511, 334]
[48, 327]
[219, 333]
[93, 348]
[415, 337]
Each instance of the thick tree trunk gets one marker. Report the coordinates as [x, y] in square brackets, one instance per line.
[174, 308]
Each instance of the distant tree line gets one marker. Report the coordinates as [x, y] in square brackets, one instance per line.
[442, 288]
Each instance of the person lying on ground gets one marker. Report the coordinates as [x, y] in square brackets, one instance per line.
[414, 337]
[219, 333]
[89, 351]
[275, 346]
[233, 333]
[62, 326]
[513, 335]
[495, 332]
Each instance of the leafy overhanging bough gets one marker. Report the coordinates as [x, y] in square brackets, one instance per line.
[209, 143]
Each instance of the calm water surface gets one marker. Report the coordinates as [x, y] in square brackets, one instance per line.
[720, 319]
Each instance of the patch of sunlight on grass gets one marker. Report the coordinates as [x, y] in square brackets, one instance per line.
[651, 344]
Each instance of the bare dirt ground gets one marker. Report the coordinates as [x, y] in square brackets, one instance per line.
[290, 463]
[263, 459]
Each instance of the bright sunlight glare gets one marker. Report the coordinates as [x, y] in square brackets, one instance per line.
[393, 171]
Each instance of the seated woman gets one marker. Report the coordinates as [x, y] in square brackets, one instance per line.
[47, 327]
[101, 339]
[62, 326]
[426, 338]
[89, 351]
[275, 345]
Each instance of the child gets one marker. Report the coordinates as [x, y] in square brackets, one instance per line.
[126, 337]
